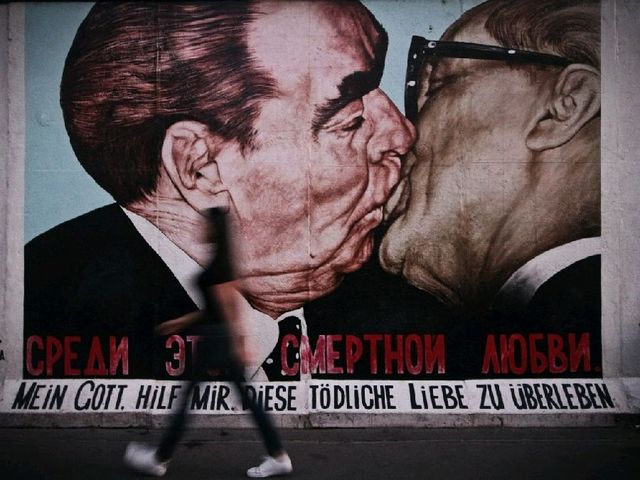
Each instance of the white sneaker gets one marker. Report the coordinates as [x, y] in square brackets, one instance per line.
[271, 467]
[142, 458]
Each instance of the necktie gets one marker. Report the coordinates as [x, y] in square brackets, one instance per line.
[289, 346]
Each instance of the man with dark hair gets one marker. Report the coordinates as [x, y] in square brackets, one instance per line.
[499, 207]
[268, 110]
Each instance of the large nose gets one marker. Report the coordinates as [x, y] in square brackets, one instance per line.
[393, 135]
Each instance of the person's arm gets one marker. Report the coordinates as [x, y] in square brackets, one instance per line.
[226, 296]
[178, 324]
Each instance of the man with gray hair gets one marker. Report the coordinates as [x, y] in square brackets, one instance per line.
[499, 207]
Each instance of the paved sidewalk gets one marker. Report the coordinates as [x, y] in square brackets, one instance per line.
[376, 453]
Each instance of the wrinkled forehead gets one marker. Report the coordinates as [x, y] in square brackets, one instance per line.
[292, 39]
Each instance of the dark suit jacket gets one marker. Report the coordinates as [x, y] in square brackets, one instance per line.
[568, 303]
[372, 301]
[95, 275]
[571, 298]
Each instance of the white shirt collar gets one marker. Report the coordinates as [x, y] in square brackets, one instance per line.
[262, 329]
[263, 333]
[520, 288]
[183, 267]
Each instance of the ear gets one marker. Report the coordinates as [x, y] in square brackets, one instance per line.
[189, 154]
[574, 101]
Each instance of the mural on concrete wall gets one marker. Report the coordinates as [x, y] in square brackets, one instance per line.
[448, 260]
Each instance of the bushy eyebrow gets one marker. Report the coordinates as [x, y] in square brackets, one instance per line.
[352, 87]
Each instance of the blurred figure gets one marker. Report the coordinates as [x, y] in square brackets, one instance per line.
[222, 347]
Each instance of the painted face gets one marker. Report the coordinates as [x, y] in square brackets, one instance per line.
[465, 175]
[327, 151]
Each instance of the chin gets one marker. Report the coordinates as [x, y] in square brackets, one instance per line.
[323, 284]
[391, 254]
[360, 255]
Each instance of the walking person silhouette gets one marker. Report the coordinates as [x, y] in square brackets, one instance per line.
[223, 348]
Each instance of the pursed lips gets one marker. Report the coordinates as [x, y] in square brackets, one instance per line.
[377, 211]
[373, 216]
[398, 201]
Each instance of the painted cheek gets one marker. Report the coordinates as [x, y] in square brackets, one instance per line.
[420, 180]
[438, 130]
[343, 171]
[340, 188]
[272, 191]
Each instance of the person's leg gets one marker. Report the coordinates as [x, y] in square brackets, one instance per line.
[150, 460]
[263, 421]
[278, 461]
[172, 435]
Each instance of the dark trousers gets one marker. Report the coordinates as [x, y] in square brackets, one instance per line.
[236, 376]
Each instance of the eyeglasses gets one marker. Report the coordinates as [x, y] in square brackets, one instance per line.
[421, 49]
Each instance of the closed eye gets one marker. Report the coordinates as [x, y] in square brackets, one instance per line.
[355, 124]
